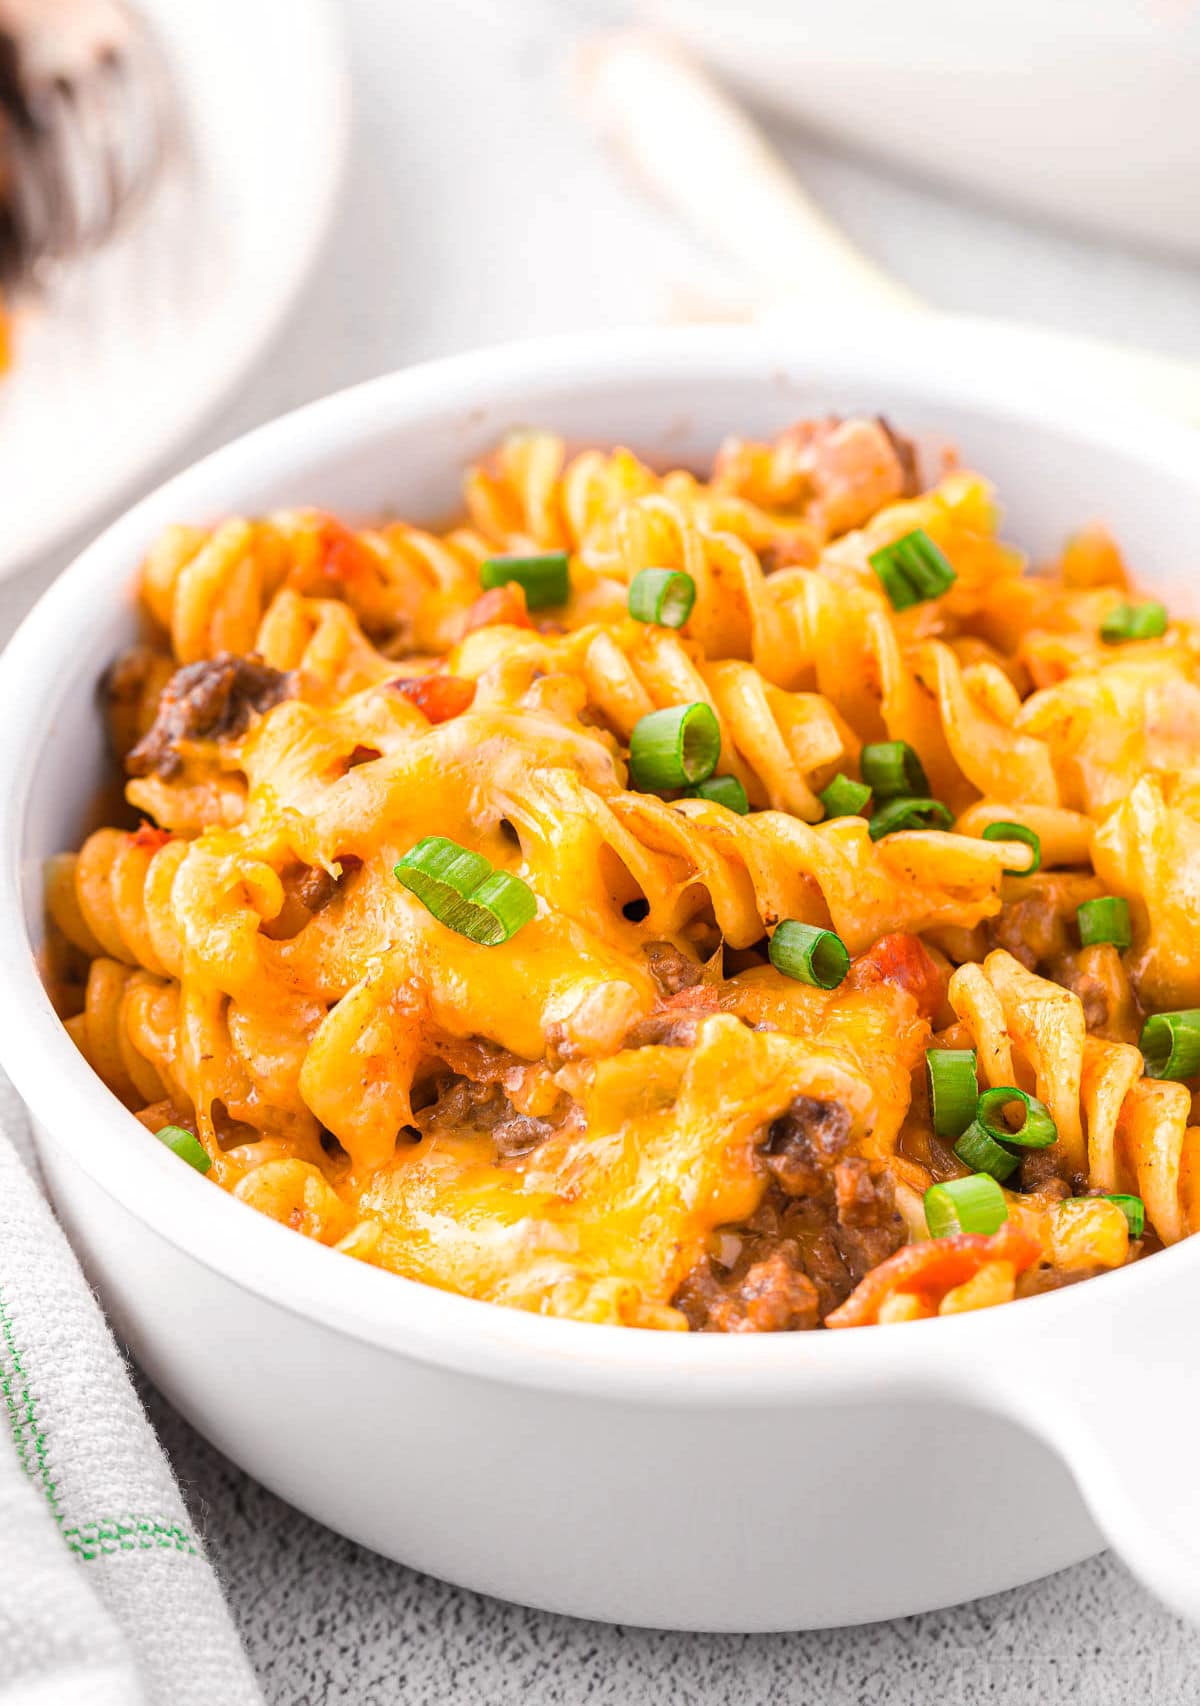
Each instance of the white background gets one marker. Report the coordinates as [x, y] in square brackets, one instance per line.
[478, 208]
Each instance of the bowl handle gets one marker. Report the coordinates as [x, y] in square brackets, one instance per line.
[1115, 1392]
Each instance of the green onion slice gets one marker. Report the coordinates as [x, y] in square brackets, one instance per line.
[912, 570]
[1134, 622]
[1134, 1210]
[662, 595]
[1016, 832]
[891, 768]
[723, 791]
[953, 1089]
[979, 1151]
[844, 797]
[909, 814]
[1037, 1129]
[543, 577]
[675, 748]
[1104, 920]
[187, 1147]
[1170, 1043]
[965, 1205]
[464, 893]
[809, 954]
[436, 862]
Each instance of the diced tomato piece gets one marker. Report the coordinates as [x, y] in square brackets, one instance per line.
[932, 1269]
[904, 961]
[149, 837]
[500, 606]
[344, 557]
[439, 697]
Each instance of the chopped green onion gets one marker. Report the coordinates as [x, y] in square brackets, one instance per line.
[437, 862]
[975, 1204]
[979, 1151]
[1134, 622]
[891, 769]
[543, 577]
[723, 791]
[187, 1147]
[675, 748]
[1104, 920]
[662, 595]
[844, 797]
[1170, 1043]
[1016, 832]
[1134, 1210]
[912, 570]
[909, 814]
[953, 1089]
[809, 954]
[464, 893]
[1037, 1129]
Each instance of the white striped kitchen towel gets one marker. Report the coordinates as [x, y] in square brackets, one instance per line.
[106, 1598]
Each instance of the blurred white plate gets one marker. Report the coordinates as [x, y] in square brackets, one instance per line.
[134, 348]
[1083, 110]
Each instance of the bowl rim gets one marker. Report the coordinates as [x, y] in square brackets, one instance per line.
[944, 359]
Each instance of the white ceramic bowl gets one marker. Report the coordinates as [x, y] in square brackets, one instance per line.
[1083, 110]
[695, 1482]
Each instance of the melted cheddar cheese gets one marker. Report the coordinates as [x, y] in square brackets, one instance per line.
[625, 1112]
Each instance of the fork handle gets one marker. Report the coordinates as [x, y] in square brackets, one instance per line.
[45, 41]
[697, 150]
[699, 153]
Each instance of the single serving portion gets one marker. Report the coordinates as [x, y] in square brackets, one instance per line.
[738, 904]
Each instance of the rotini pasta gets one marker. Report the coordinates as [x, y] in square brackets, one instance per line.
[730, 904]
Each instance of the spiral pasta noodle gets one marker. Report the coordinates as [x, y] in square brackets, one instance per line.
[212, 589]
[453, 955]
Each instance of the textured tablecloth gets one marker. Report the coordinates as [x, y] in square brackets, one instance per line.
[479, 210]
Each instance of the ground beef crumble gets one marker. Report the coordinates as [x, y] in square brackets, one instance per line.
[671, 969]
[803, 1144]
[771, 1295]
[826, 1219]
[675, 1028]
[315, 888]
[1047, 1172]
[307, 891]
[210, 700]
[477, 1100]
[459, 1104]
[1042, 1278]
[1032, 929]
[129, 690]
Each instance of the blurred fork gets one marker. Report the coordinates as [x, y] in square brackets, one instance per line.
[701, 154]
[85, 126]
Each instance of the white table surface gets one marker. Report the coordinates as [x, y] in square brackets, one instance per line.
[479, 209]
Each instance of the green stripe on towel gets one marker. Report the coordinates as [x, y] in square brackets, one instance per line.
[132, 1534]
[98, 1539]
[21, 1408]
